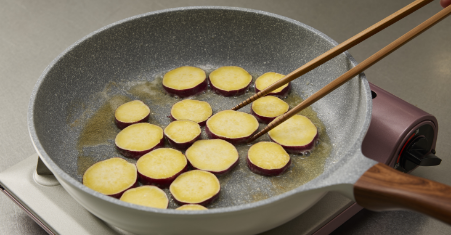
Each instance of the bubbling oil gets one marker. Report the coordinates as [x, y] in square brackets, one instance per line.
[239, 186]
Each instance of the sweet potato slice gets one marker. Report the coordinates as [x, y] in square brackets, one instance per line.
[182, 134]
[267, 108]
[230, 80]
[268, 158]
[191, 207]
[130, 113]
[161, 166]
[296, 135]
[185, 81]
[111, 177]
[194, 110]
[268, 79]
[233, 126]
[216, 156]
[150, 196]
[195, 187]
[139, 139]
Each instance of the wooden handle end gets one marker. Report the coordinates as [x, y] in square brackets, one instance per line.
[383, 188]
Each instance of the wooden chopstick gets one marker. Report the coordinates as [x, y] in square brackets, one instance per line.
[339, 49]
[357, 69]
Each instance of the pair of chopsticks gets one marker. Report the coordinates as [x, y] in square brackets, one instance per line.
[354, 71]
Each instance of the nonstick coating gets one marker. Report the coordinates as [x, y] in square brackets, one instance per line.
[114, 59]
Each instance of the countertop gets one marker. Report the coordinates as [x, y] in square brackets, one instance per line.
[33, 33]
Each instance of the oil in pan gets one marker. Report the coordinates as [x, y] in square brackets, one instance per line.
[95, 123]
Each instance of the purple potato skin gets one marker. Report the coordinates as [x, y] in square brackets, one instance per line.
[281, 94]
[122, 125]
[298, 149]
[137, 154]
[229, 93]
[161, 183]
[267, 172]
[204, 203]
[217, 173]
[188, 92]
[118, 195]
[262, 119]
[200, 123]
[240, 140]
[182, 146]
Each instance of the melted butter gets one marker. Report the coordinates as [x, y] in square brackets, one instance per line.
[83, 163]
[100, 127]
[258, 196]
[150, 90]
[71, 117]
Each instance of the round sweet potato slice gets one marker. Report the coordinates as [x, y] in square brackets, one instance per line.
[139, 139]
[268, 79]
[194, 110]
[267, 108]
[230, 80]
[111, 177]
[268, 158]
[185, 81]
[191, 207]
[296, 135]
[131, 113]
[182, 134]
[216, 156]
[195, 187]
[161, 166]
[233, 126]
[149, 196]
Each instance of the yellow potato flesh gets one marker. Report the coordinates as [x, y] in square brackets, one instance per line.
[132, 111]
[194, 110]
[269, 106]
[195, 186]
[139, 137]
[296, 131]
[185, 77]
[150, 196]
[182, 131]
[232, 124]
[212, 155]
[161, 163]
[191, 207]
[111, 176]
[268, 155]
[268, 79]
[230, 78]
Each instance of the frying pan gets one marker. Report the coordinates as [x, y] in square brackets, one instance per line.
[71, 108]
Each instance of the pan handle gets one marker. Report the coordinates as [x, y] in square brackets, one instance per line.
[382, 188]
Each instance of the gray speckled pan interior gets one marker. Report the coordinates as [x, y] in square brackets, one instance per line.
[126, 61]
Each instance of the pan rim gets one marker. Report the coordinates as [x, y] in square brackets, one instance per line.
[62, 174]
